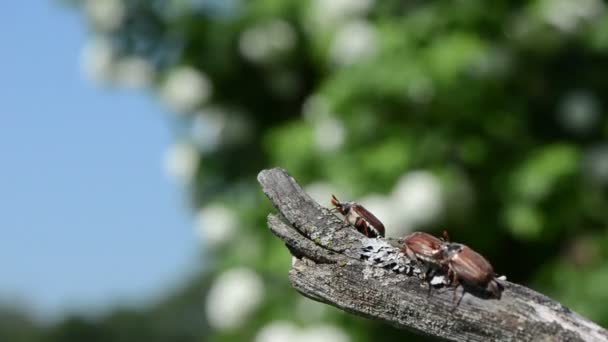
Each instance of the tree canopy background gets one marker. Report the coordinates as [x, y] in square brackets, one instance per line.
[486, 119]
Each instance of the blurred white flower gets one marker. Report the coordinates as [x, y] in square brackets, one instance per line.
[354, 42]
[133, 73]
[263, 41]
[233, 297]
[321, 192]
[106, 15]
[329, 134]
[216, 224]
[579, 111]
[327, 13]
[182, 162]
[97, 60]
[567, 15]
[280, 331]
[207, 128]
[315, 108]
[185, 89]
[277, 331]
[215, 126]
[324, 333]
[595, 164]
[417, 199]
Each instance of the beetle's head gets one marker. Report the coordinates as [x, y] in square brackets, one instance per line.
[450, 249]
[495, 289]
[342, 207]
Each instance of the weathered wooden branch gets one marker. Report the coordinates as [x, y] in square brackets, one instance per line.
[369, 277]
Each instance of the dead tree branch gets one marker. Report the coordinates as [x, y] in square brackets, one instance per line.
[368, 277]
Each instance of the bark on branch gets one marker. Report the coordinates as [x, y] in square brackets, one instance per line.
[368, 277]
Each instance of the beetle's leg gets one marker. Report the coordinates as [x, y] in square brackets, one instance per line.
[451, 276]
[461, 296]
[410, 254]
[456, 284]
[453, 281]
[437, 255]
[345, 221]
[429, 276]
[361, 226]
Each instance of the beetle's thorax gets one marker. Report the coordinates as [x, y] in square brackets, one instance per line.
[450, 250]
[350, 215]
[347, 206]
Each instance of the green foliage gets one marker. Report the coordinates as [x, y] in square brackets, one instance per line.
[503, 102]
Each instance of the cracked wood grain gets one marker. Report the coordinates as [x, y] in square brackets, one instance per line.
[331, 268]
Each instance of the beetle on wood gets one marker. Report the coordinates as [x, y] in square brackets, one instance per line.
[467, 268]
[423, 247]
[426, 250]
[364, 221]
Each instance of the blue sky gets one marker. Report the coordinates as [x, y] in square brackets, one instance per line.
[88, 216]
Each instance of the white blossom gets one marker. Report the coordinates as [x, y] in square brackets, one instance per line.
[324, 333]
[185, 89]
[261, 42]
[182, 161]
[97, 60]
[277, 331]
[233, 298]
[316, 108]
[281, 331]
[329, 134]
[579, 111]
[106, 15]
[207, 128]
[354, 42]
[216, 224]
[133, 73]
[328, 13]
[567, 15]
[595, 164]
[215, 126]
[417, 199]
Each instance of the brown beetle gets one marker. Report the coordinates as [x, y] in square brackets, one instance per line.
[422, 247]
[468, 268]
[364, 221]
[425, 249]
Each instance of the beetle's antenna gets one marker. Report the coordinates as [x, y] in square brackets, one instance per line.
[446, 237]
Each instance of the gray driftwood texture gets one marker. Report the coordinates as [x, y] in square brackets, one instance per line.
[368, 277]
